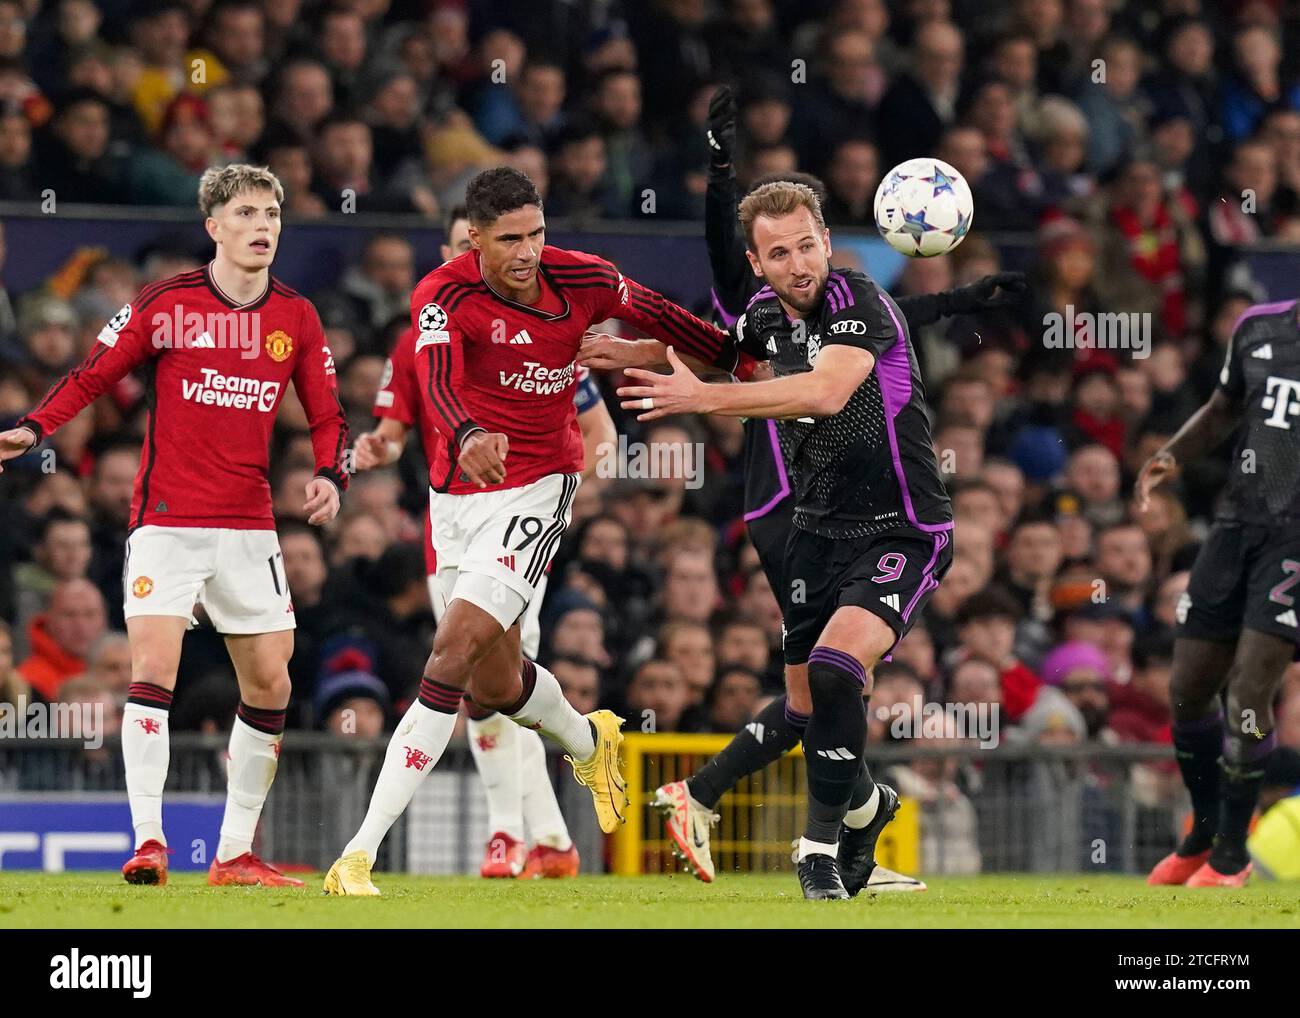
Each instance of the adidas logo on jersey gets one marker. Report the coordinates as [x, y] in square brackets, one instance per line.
[1287, 618]
[1264, 353]
[507, 560]
[839, 753]
[892, 601]
[521, 337]
[204, 342]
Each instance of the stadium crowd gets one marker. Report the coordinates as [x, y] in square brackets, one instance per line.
[1141, 145]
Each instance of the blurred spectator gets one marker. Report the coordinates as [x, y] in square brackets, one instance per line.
[1114, 106]
[62, 636]
[1124, 562]
[659, 700]
[579, 680]
[851, 181]
[109, 663]
[62, 553]
[922, 101]
[1093, 475]
[380, 286]
[1081, 672]
[188, 145]
[75, 158]
[17, 172]
[579, 164]
[733, 699]
[690, 587]
[351, 703]
[578, 631]
[741, 641]
[616, 105]
[986, 627]
[689, 646]
[1244, 211]
[896, 695]
[345, 175]
[1257, 83]
[304, 96]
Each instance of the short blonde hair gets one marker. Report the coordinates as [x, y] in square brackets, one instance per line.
[221, 183]
[779, 198]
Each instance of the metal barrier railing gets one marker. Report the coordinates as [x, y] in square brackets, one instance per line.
[1009, 809]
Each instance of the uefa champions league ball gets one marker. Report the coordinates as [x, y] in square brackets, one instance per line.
[924, 208]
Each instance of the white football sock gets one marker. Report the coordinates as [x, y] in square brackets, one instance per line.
[548, 711]
[250, 769]
[413, 752]
[146, 751]
[494, 744]
[542, 814]
[864, 814]
[807, 848]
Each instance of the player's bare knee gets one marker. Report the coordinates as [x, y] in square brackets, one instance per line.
[796, 689]
[491, 697]
[454, 656]
[156, 665]
[266, 684]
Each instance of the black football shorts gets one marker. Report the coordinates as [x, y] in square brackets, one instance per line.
[892, 575]
[1246, 576]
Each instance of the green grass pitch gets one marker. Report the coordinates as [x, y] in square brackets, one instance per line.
[94, 900]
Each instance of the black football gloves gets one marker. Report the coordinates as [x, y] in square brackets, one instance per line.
[722, 128]
[1000, 290]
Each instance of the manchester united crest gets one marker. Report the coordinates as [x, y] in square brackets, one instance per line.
[279, 346]
[142, 587]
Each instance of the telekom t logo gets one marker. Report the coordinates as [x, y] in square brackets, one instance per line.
[1279, 398]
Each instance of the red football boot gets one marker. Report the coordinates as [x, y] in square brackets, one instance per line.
[1175, 868]
[249, 871]
[148, 865]
[551, 863]
[1208, 876]
[503, 857]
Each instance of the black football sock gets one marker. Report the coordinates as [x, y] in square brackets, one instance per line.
[834, 740]
[768, 737]
[1198, 745]
[1243, 777]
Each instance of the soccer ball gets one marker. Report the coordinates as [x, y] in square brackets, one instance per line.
[924, 208]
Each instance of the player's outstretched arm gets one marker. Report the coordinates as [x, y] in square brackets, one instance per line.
[1201, 433]
[122, 345]
[999, 290]
[15, 442]
[817, 393]
[722, 234]
[604, 352]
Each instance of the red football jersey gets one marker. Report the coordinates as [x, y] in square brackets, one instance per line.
[398, 399]
[215, 374]
[485, 361]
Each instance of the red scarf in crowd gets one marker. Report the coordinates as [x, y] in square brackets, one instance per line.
[1153, 252]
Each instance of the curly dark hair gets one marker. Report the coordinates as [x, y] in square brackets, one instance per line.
[495, 192]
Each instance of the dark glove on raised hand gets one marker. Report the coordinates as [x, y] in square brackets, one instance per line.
[722, 127]
[984, 295]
